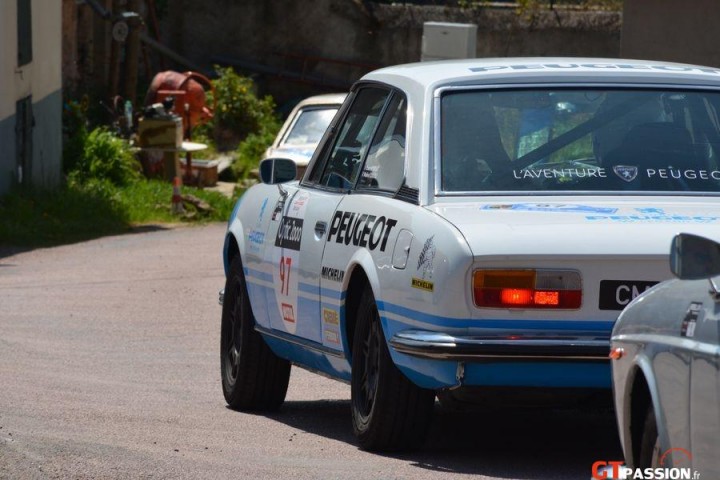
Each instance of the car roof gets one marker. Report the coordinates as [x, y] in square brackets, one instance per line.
[430, 75]
[324, 99]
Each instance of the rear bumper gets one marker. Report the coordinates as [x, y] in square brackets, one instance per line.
[526, 348]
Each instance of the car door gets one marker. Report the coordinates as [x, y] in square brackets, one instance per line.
[364, 219]
[705, 384]
[301, 224]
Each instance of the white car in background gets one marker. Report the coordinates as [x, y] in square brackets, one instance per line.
[304, 128]
[666, 368]
[469, 230]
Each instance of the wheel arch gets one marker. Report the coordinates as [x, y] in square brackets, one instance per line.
[360, 273]
[234, 245]
[641, 384]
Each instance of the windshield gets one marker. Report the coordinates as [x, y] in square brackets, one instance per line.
[310, 126]
[580, 140]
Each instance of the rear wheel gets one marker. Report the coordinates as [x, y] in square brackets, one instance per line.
[389, 412]
[253, 377]
[649, 453]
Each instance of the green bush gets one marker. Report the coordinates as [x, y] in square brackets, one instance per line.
[106, 157]
[238, 110]
[250, 151]
[75, 132]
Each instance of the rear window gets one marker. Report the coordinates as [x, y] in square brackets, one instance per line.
[310, 126]
[580, 140]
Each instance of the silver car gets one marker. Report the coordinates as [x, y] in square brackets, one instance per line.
[666, 367]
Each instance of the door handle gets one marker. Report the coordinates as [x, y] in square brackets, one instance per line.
[320, 228]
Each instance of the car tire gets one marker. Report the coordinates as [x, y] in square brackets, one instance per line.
[649, 452]
[253, 377]
[389, 412]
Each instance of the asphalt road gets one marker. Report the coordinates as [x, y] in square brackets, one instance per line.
[109, 368]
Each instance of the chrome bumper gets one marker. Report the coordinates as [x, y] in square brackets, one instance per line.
[442, 346]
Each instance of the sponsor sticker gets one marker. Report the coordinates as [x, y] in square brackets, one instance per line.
[288, 313]
[690, 321]
[361, 229]
[289, 233]
[551, 207]
[256, 238]
[422, 284]
[263, 206]
[331, 317]
[331, 336]
[332, 274]
[331, 326]
[426, 259]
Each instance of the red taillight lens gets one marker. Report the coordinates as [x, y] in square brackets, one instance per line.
[527, 289]
[547, 298]
[516, 296]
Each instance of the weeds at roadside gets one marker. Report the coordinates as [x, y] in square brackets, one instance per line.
[92, 209]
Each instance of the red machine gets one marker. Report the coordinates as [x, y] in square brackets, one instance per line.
[187, 90]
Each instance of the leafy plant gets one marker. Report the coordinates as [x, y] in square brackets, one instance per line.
[106, 157]
[238, 110]
[250, 151]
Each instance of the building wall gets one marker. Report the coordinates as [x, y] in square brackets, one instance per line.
[42, 79]
[366, 35]
[683, 32]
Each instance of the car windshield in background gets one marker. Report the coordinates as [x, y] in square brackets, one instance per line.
[310, 126]
[580, 140]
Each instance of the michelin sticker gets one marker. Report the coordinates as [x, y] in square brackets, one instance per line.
[551, 207]
[332, 274]
[286, 260]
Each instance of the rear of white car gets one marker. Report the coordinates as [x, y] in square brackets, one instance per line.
[567, 196]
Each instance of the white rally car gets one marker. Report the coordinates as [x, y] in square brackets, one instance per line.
[468, 229]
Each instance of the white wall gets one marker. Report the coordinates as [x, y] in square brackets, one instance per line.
[41, 78]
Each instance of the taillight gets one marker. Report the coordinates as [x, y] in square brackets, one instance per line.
[560, 289]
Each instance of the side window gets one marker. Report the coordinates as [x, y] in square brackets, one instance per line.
[385, 165]
[24, 32]
[343, 165]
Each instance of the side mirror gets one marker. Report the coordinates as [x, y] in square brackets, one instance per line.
[693, 257]
[277, 170]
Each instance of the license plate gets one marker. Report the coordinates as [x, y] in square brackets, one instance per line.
[616, 294]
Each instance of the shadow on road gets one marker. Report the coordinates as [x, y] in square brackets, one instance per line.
[537, 443]
[82, 236]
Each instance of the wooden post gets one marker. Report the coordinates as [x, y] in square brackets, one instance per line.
[132, 55]
[115, 56]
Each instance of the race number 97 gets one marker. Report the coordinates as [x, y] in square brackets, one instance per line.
[285, 266]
